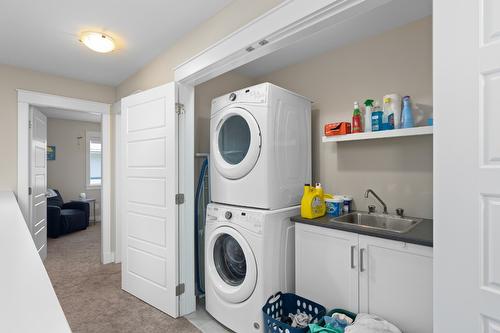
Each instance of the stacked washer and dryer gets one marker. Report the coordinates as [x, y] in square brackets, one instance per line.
[260, 159]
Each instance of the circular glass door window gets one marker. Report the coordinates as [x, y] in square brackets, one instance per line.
[230, 260]
[234, 139]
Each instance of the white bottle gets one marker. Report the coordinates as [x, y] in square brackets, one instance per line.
[368, 115]
[395, 106]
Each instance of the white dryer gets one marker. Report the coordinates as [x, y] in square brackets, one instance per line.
[249, 256]
[260, 147]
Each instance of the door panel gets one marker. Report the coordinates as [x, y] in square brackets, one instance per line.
[38, 180]
[467, 165]
[150, 225]
[326, 266]
[395, 283]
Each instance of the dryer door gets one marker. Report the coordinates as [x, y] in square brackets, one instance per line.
[231, 265]
[236, 142]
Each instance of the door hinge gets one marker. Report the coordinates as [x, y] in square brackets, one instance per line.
[30, 124]
[179, 108]
[29, 190]
[179, 289]
[179, 198]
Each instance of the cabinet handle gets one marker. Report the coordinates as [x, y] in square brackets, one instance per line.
[353, 247]
[361, 263]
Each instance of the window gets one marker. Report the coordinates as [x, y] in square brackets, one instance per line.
[94, 159]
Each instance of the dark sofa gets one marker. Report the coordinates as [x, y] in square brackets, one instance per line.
[64, 218]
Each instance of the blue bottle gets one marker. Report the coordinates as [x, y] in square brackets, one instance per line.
[407, 115]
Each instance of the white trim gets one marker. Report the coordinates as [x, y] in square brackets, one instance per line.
[116, 110]
[187, 301]
[283, 25]
[106, 189]
[27, 98]
[61, 102]
[23, 169]
[88, 136]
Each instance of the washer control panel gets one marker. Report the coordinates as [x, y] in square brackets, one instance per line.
[244, 218]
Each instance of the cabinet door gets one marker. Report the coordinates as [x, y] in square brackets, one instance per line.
[395, 283]
[326, 266]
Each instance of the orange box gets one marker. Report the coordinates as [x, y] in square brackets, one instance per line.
[341, 128]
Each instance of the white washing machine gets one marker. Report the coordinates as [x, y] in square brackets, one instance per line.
[249, 256]
[260, 147]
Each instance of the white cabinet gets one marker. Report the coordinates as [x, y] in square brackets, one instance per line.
[326, 265]
[360, 273]
[395, 282]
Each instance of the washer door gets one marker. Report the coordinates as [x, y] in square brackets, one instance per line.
[231, 265]
[236, 143]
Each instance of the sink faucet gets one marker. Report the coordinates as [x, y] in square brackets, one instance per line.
[368, 191]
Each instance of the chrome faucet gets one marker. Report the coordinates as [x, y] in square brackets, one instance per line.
[368, 191]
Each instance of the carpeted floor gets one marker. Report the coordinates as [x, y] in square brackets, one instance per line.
[90, 293]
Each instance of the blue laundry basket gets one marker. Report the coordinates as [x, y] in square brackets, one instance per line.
[280, 305]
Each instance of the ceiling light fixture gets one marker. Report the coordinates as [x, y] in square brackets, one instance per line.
[97, 41]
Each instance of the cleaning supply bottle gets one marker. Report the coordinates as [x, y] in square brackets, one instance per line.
[377, 117]
[396, 108]
[368, 115]
[356, 119]
[388, 120]
[313, 202]
[407, 115]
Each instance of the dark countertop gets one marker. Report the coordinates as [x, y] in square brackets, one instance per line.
[420, 234]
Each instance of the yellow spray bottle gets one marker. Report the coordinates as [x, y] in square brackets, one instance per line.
[313, 202]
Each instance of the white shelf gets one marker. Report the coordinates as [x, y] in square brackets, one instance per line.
[424, 130]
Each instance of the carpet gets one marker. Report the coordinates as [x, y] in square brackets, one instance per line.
[90, 293]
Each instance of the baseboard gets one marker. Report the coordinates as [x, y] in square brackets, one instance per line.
[108, 257]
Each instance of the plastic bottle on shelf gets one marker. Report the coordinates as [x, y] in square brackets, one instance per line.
[407, 114]
[396, 108]
[368, 115]
[388, 120]
[356, 119]
[377, 117]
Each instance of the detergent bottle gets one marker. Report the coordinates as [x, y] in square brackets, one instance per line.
[313, 202]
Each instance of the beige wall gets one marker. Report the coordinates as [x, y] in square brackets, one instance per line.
[12, 78]
[68, 172]
[399, 169]
[160, 70]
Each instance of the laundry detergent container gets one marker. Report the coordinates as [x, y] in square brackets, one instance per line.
[260, 147]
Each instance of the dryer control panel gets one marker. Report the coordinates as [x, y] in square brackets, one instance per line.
[245, 218]
[251, 95]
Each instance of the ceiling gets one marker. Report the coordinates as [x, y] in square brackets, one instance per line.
[43, 35]
[54, 113]
[383, 18]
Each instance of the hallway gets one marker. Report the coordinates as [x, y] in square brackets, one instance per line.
[90, 293]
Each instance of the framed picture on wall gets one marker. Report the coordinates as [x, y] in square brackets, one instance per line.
[51, 153]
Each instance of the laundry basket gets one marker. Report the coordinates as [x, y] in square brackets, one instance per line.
[280, 305]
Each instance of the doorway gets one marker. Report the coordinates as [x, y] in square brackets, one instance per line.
[30, 102]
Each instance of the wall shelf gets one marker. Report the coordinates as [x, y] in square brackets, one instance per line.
[424, 130]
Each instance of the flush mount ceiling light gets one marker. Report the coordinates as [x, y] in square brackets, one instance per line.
[97, 41]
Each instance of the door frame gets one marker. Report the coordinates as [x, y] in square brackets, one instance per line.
[281, 26]
[25, 98]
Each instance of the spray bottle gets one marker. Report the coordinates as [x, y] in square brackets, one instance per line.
[368, 115]
[356, 119]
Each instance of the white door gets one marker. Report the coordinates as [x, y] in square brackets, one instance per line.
[38, 180]
[395, 283]
[467, 166]
[149, 210]
[326, 266]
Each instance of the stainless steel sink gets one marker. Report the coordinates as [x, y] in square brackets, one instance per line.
[386, 222]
